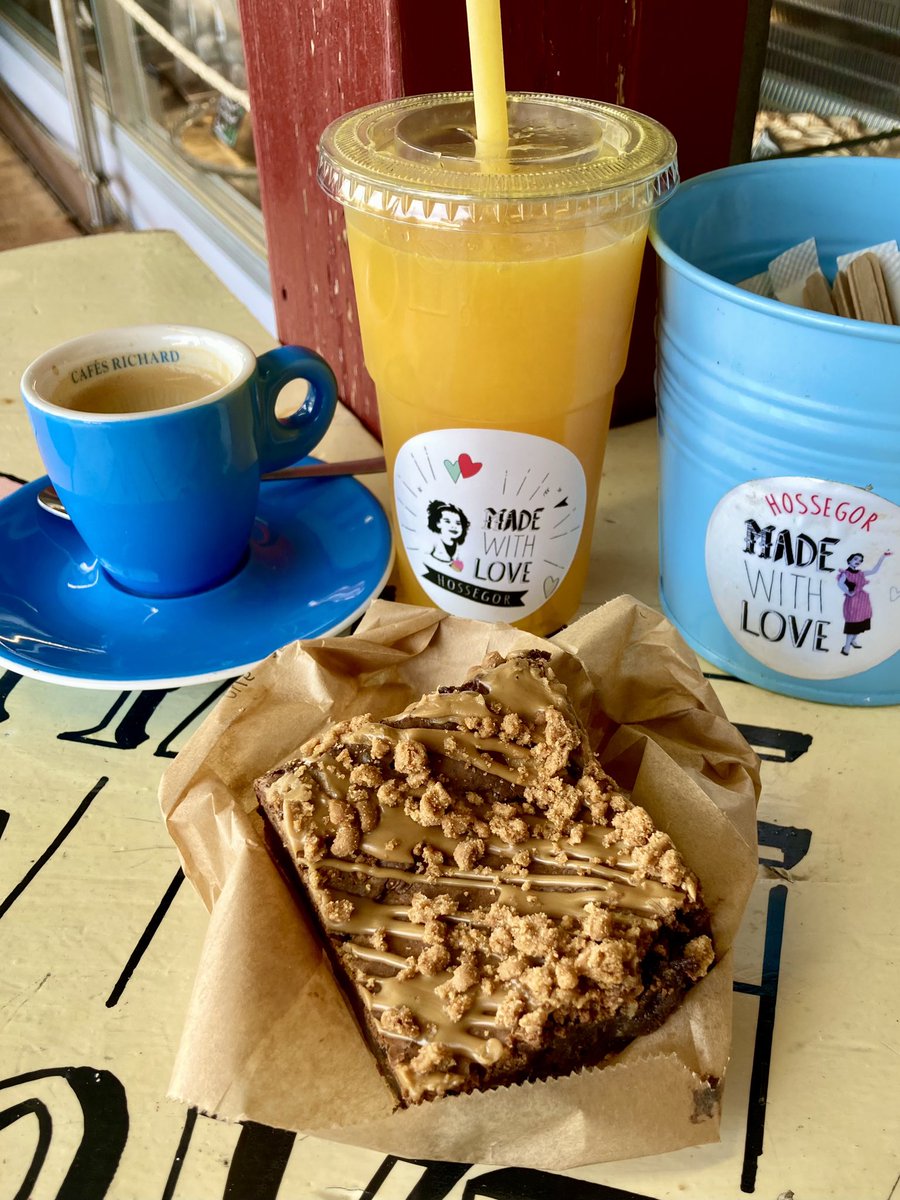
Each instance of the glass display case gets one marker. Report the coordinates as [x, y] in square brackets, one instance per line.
[831, 82]
[174, 71]
[35, 20]
[168, 91]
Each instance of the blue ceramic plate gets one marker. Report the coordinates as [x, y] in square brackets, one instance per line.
[320, 551]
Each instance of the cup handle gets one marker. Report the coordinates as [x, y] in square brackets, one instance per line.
[282, 442]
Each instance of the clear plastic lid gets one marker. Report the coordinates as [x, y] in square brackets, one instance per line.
[414, 160]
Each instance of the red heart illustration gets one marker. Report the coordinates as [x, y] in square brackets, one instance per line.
[467, 468]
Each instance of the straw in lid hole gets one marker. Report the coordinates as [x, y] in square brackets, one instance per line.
[569, 159]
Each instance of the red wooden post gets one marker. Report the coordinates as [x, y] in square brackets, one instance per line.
[309, 61]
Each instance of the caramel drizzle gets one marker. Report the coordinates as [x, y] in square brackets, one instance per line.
[419, 996]
[592, 852]
[601, 873]
[514, 763]
[648, 899]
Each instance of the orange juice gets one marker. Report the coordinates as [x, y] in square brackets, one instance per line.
[495, 309]
[515, 334]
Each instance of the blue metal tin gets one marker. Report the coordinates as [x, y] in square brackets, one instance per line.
[780, 435]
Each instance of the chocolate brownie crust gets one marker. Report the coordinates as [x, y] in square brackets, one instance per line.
[494, 907]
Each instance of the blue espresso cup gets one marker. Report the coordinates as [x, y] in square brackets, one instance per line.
[155, 438]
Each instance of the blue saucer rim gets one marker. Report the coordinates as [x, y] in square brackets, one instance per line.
[151, 682]
[158, 684]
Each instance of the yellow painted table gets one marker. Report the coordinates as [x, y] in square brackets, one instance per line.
[99, 937]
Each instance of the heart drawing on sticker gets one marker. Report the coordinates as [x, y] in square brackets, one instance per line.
[453, 469]
[467, 467]
[551, 583]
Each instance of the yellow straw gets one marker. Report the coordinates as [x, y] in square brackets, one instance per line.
[488, 81]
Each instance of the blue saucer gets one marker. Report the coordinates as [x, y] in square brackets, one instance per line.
[320, 551]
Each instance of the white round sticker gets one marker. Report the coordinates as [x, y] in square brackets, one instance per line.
[490, 520]
[805, 575]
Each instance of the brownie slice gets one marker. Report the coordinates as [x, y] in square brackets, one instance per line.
[495, 909]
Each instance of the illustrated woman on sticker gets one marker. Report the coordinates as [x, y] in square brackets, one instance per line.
[451, 526]
[857, 602]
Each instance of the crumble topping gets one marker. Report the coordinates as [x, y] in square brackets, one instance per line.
[490, 887]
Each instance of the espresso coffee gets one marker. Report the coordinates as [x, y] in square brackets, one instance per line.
[141, 389]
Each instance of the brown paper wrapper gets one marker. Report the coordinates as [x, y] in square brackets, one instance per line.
[268, 1036]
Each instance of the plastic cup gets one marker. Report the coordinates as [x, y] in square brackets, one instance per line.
[495, 303]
